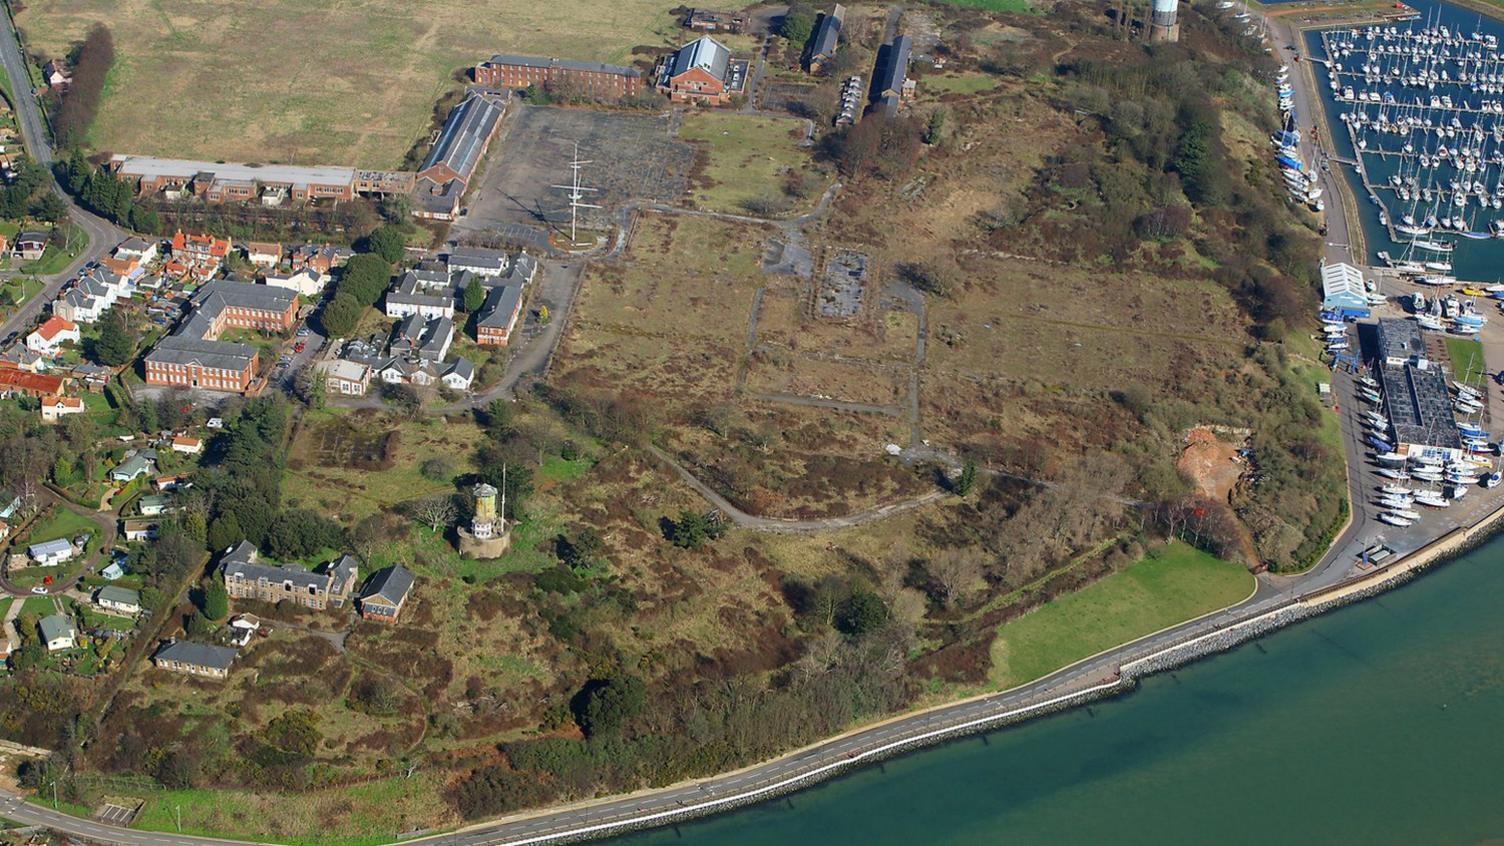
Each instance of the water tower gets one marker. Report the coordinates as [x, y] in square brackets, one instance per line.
[1162, 23]
[489, 536]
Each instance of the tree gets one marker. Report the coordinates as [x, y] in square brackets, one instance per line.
[862, 612]
[216, 600]
[395, 208]
[364, 278]
[797, 24]
[387, 242]
[692, 530]
[91, 64]
[116, 343]
[544, 316]
[224, 532]
[436, 470]
[954, 574]
[475, 296]
[968, 478]
[49, 207]
[934, 129]
[340, 316]
[604, 705]
[437, 510]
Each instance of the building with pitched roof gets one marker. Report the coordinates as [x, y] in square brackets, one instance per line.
[195, 659]
[889, 86]
[121, 599]
[592, 80]
[463, 141]
[56, 408]
[498, 316]
[696, 73]
[14, 382]
[825, 39]
[52, 334]
[246, 577]
[194, 357]
[58, 632]
[386, 593]
[221, 182]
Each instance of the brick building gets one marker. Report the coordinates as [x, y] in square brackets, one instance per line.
[592, 80]
[222, 182]
[696, 73]
[194, 357]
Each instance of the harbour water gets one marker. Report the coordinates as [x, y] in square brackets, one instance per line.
[1411, 105]
[1375, 724]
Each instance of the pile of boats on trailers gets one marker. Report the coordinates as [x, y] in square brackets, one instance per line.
[1451, 313]
[1426, 480]
[1301, 181]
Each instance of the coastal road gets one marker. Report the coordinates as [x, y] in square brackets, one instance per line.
[102, 234]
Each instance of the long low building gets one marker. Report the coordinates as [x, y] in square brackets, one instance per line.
[219, 182]
[194, 357]
[1415, 393]
[587, 79]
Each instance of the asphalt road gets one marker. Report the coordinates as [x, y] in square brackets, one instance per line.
[106, 523]
[102, 234]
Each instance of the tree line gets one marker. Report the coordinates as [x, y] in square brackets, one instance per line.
[76, 109]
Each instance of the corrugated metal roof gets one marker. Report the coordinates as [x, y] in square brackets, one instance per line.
[464, 137]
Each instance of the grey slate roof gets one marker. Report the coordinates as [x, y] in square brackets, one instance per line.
[188, 346]
[410, 292]
[827, 33]
[57, 626]
[477, 257]
[119, 595]
[705, 53]
[218, 293]
[436, 197]
[895, 67]
[464, 136]
[566, 64]
[391, 584]
[500, 305]
[344, 568]
[461, 368]
[196, 654]
[220, 355]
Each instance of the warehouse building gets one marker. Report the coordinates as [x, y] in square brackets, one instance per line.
[1415, 393]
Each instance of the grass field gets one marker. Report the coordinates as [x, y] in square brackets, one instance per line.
[994, 5]
[1174, 584]
[1468, 365]
[62, 524]
[746, 157]
[958, 83]
[314, 83]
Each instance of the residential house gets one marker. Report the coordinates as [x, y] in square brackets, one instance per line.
[30, 245]
[58, 632]
[154, 505]
[320, 257]
[4, 530]
[413, 295]
[247, 578]
[386, 593]
[305, 280]
[51, 553]
[242, 626]
[53, 74]
[201, 253]
[415, 337]
[267, 254]
[139, 529]
[52, 334]
[696, 73]
[481, 261]
[137, 464]
[19, 357]
[169, 483]
[124, 600]
[112, 571]
[498, 316]
[403, 371]
[56, 408]
[187, 445]
[10, 504]
[344, 377]
[139, 249]
[459, 376]
[195, 659]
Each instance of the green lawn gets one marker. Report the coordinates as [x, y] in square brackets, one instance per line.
[959, 83]
[1467, 361]
[1171, 585]
[53, 260]
[744, 158]
[62, 524]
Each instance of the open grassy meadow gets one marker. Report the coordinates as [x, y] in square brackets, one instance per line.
[747, 159]
[322, 82]
[1172, 584]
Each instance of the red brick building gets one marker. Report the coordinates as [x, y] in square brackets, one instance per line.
[14, 382]
[591, 80]
[696, 73]
[194, 357]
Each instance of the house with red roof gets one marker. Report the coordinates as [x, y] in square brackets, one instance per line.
[51, 335]
[57, 407]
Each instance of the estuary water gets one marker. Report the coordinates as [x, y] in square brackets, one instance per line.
[1381, 723]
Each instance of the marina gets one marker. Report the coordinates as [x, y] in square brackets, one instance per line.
[1415, 115]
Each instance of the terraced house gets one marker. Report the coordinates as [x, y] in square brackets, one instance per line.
[247, 577]
[586, 79]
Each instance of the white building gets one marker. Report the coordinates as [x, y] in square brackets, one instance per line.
[306, 281]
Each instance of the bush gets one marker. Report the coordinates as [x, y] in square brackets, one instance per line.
[340, 316]
[387, 242]
[604, 705]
